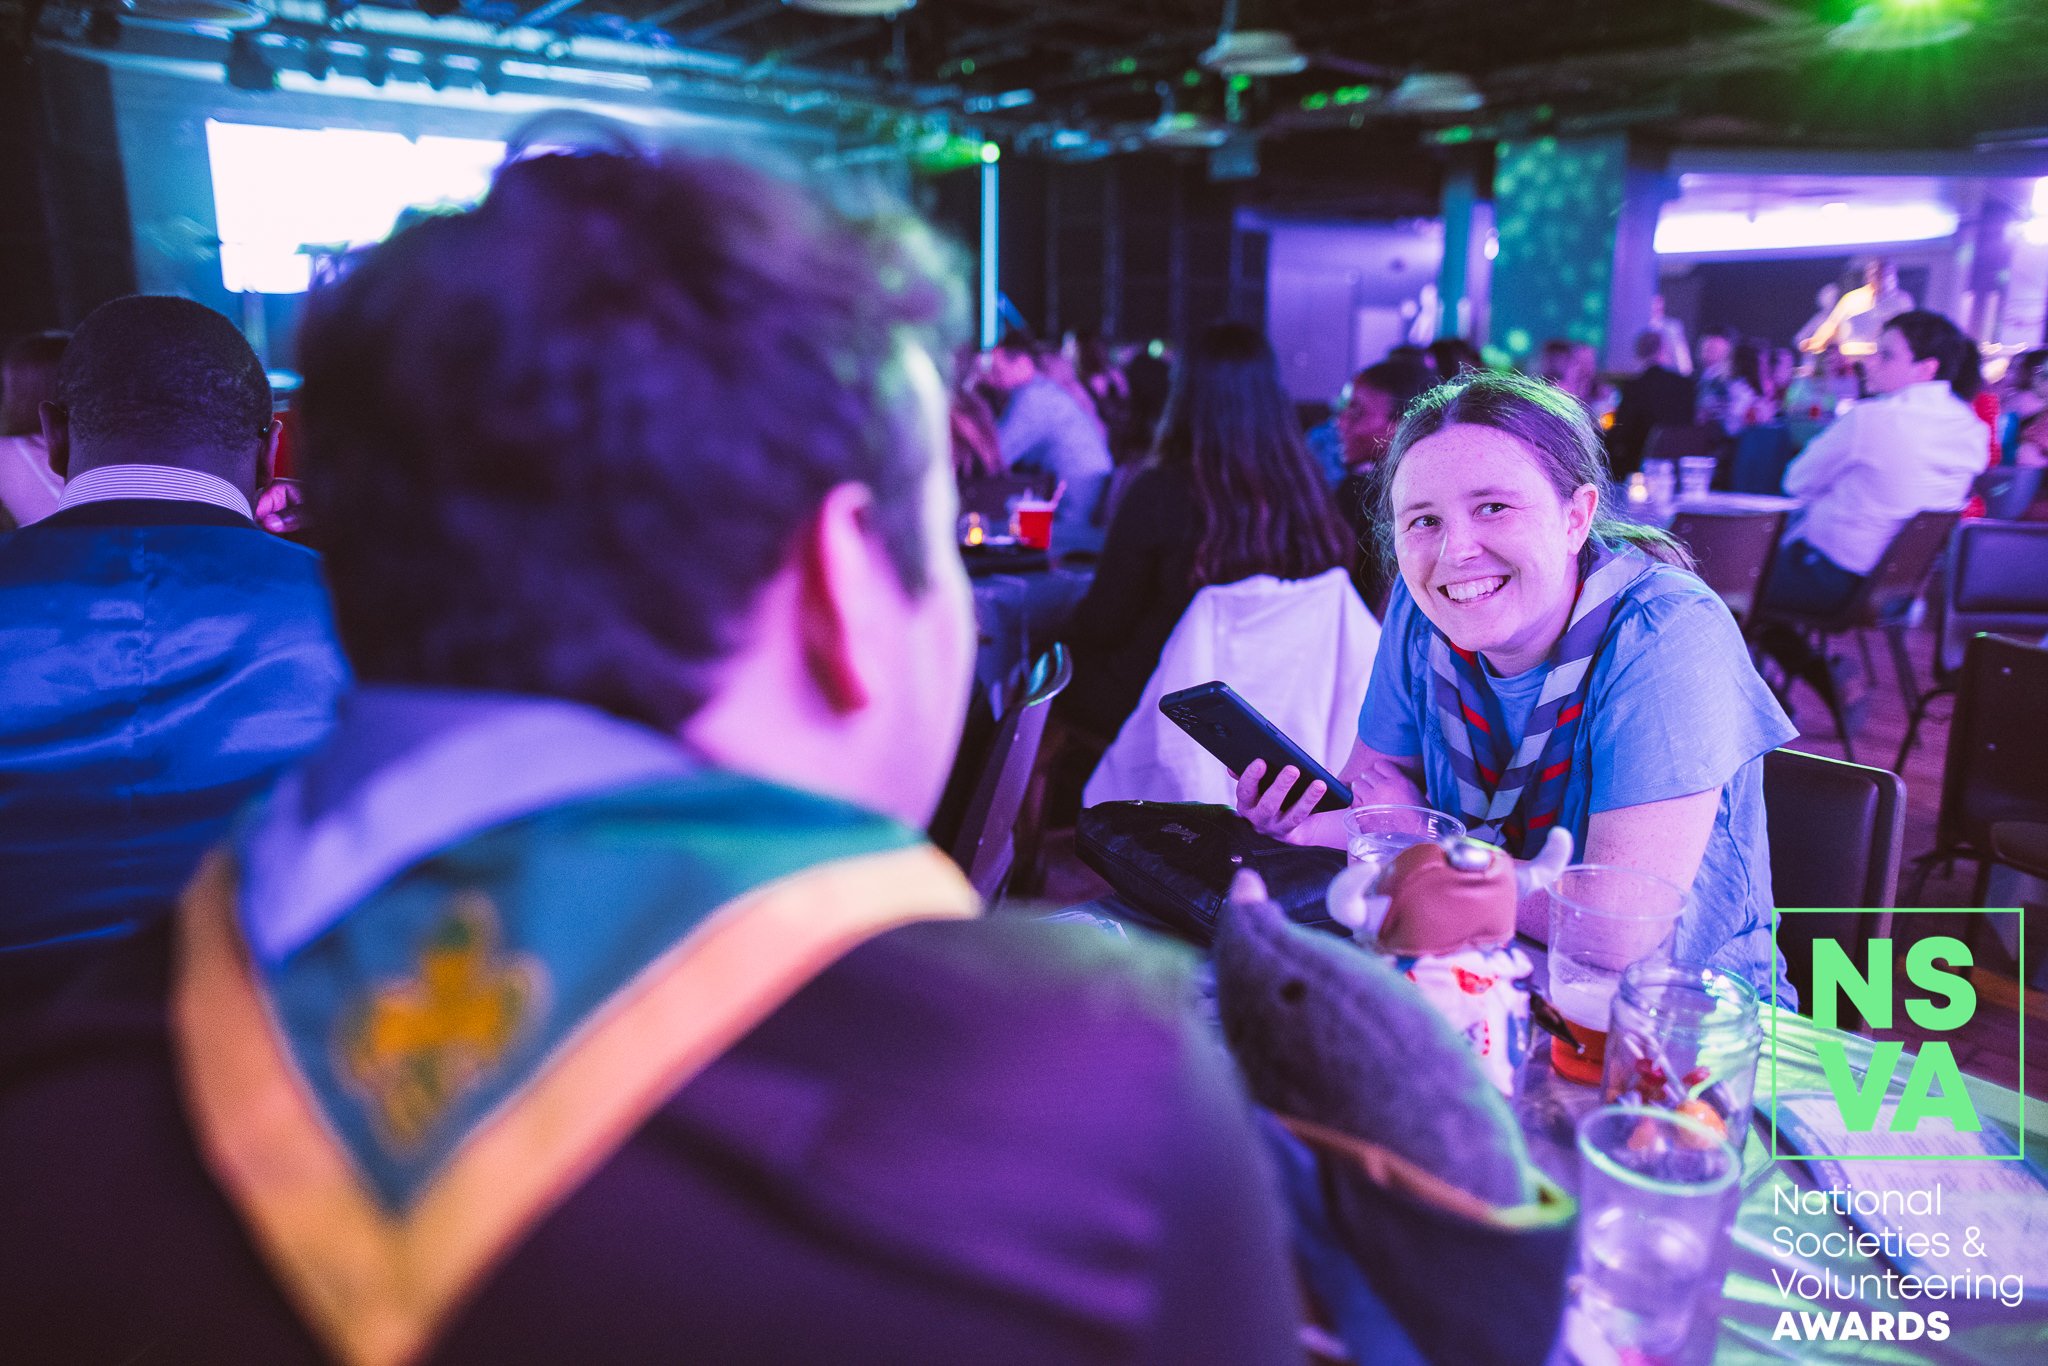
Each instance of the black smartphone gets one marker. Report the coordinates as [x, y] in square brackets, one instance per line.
[1231, 729]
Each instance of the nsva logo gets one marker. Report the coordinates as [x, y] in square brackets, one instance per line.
[1928, 967]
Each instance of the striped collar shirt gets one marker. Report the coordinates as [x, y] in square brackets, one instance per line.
[104, 483]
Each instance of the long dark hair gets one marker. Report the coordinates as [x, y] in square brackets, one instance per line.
[1547, 421]
[1260, 504]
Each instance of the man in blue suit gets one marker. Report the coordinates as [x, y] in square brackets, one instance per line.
[161, 655]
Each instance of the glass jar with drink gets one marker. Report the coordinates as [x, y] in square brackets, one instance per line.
[1685, 1037]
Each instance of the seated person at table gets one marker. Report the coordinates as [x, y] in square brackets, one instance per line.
[1230, 493]
[161, 656]
[591, 996]
[1545, 664]
[1379, 395]
[1044, 429]
[1915, 447]
[1652, 397]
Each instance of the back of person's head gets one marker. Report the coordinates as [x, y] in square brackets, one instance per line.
[1931, 336]
[1261, 505]
[1401, 378]
[28, 380]
[561, 443]
[160, 380]
[1649, 346]
[1550, 425]
[1453, 356]
[1746, 363]
[2027, 369]
[1554, 361]
[1091, 353]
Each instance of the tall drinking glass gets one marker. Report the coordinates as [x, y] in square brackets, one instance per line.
[1657, 1194]
[1601, 920]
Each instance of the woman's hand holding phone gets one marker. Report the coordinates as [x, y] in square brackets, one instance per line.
[1271, 814]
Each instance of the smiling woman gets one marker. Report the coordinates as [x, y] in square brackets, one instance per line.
[1544, 664]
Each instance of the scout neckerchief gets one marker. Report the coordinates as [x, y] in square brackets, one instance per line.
[1507, 793]
[396, 1104]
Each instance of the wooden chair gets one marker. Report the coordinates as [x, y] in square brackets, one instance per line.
[1836, 833]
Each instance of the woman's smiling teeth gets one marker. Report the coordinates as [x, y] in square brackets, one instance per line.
[1473, 590]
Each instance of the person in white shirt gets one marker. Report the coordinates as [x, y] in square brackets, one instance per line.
[1915, 447]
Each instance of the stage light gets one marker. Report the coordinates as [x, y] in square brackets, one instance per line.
[434, 72]
[247, 67]
[490, 76]
[377, 65]
[319, 61]
[1800, 227]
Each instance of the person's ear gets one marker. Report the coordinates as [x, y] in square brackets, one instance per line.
[56, 419]
[842, 581]
[1579, 510]
[266, 454]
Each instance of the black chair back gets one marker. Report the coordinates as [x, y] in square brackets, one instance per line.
[1676, 443]
[2008, 491]
[1997, 765]
[1836, 832]
[1732, 552]
[1997, 581]
[1902, 572]
[984, 844]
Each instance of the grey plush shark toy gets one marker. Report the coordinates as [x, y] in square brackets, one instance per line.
[1327, 1032]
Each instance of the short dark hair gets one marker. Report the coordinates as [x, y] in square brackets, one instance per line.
[154, 371]
[1401, 380]
[28, 379]
[559, 443]
[1931, 336]
[1649, 344]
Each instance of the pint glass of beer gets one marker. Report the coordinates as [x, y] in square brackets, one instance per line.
[1601, 920]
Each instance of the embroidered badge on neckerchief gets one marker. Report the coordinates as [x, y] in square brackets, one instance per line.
[416, 1046]
[1512, 794]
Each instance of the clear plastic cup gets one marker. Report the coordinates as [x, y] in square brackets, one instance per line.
[1658, 1193]
[1660, 477]
[1602, 919]
[1381, 832]
[1695, 475]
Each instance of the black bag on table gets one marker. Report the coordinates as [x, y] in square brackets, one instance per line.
[1173, 862]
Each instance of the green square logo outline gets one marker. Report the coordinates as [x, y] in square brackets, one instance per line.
[2020, 1092]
